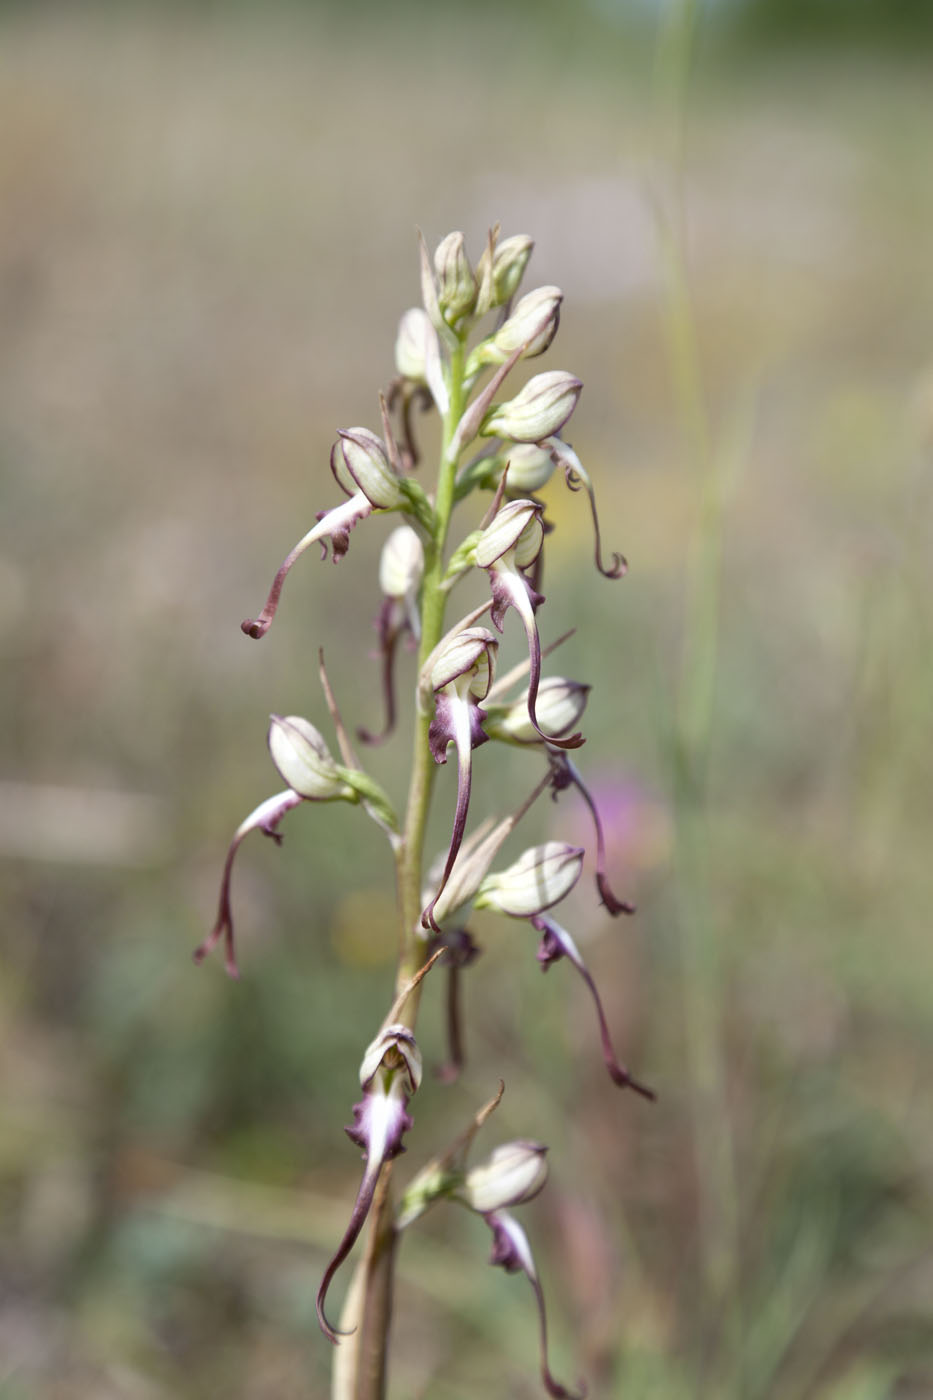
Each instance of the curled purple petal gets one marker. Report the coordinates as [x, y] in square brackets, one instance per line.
[461, 951]
[390, 628]
[511, 1252]
[556, 943]
[510, 588]
[334, 525]
[361, 1208]
[576, 476]
[458, 718]
[407, 395]
[563, 775]
[379, 1121]
[619, 565]
[266, 819]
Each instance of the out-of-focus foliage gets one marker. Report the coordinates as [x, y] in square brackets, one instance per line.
[206, 240]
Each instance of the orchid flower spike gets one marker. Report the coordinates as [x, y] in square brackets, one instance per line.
[460, 675]
[361, 467]
[401, 569]
[389, 1075]
[508, 546]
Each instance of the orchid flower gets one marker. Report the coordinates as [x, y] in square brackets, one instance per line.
[389, 1075]
[266, 819]
[531, 466]
[303, 759]
[539, 879]
[561, 703]
[512, 1252]
[565, 774]
[514, 1172]
[557, 943]
[508, 546]
[362, 469]
[539, 410]
[576, 475]
[531, 327]
[460, 675]
[452, 905]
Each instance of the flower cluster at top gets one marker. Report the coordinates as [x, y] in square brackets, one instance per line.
[454, 353]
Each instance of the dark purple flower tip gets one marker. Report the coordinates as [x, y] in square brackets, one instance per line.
[462, 950]
[556, 943]
[361, 1208]
[390, 625]
[613, 905]
[266, 819]
[511, 1252]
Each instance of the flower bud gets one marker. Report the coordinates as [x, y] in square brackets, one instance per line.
[541, 877]
[515, 1172]
[541, 408]
[530, 468]
[303, 759]
[533, 324]
[456, 283]
[414, 332]
[401, 564]
[501, 271]
[468, 653]
[560, 703]
[517, 526]
[366, 462]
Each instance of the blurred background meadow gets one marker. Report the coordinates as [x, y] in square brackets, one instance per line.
[207, 220]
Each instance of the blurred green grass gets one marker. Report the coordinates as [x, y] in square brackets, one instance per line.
[207, 236]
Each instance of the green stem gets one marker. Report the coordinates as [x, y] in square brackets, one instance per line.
[378, 1266]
